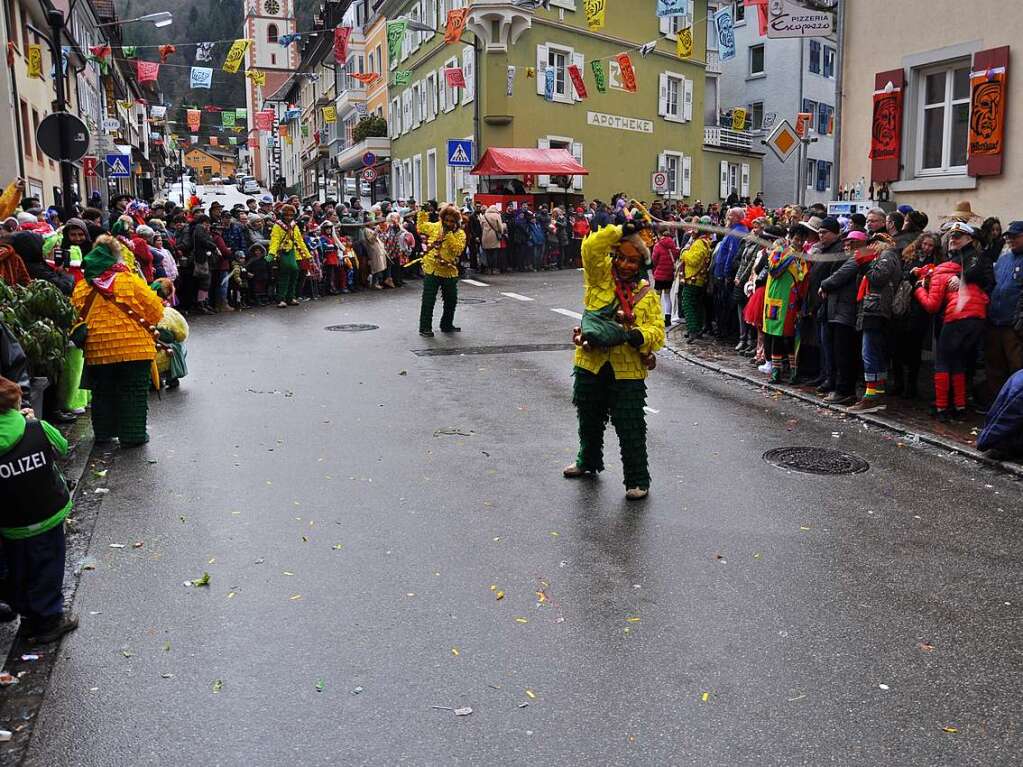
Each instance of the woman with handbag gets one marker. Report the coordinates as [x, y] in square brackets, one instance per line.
[494, 233]
[118, 313]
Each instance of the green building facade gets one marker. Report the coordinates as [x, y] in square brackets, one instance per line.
[621, 137]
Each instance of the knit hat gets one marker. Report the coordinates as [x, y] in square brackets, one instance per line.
[101, 257]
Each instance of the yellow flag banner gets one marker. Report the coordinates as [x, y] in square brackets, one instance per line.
[257, 77]
[329, 115]
[595, 12]
[684, 43]
[235, 55]
[35, 61]
[738, 118]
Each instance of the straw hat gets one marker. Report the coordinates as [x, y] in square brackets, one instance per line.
[963, 212]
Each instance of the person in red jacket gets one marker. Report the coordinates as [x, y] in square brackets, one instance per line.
[965, 310]
[664, 257]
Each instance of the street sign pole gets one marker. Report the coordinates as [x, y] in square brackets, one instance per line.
[56, 21]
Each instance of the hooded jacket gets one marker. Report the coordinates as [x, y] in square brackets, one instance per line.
[493, 228]
[960, 300]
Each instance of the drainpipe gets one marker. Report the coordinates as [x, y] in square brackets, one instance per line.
[836, 176]
[15, 101]
[800, 196]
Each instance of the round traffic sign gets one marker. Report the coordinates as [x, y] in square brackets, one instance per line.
[660, 180]
[369, 159]
[369, 175]
[75, 134]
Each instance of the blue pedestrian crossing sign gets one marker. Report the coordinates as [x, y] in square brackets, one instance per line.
[120, 165]
[460, 153]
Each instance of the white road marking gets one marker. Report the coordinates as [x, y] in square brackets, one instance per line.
[517, 296]
[477, 283]
[650, 410]
[568, 313]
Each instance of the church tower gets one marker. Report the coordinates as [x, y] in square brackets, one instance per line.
[266, 21]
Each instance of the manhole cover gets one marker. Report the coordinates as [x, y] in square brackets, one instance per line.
[354, 327]
[815, 460]
[472, 300]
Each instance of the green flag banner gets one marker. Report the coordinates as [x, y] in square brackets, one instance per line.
[599, 75]
[395, 37]
[402, 76]
[227, 119]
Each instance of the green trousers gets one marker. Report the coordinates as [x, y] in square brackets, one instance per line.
[449, 292]
[120, 400]
[693, 307]
[287, 276]
[601, 398]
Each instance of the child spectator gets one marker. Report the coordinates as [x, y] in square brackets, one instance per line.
[259, 269]
[36, 503]
[330, 249]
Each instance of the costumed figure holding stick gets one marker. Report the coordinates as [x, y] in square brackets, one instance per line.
[622, 327]
[445, 245]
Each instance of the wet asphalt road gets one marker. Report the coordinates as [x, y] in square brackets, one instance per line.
[359, 508]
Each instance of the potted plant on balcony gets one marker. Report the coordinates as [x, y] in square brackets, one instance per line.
[371, 126]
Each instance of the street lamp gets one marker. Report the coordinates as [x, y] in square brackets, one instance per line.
[159, 19]
[416, 26]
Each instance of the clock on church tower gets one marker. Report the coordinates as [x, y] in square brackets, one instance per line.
[271, 7]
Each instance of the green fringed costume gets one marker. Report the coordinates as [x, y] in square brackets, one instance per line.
[610, 374]
[118, 309]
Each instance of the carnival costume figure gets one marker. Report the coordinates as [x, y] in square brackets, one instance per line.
[445, 244]
[118, 313]
[621, 329]
[287, 248]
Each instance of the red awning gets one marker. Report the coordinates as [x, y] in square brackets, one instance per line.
[507, 161]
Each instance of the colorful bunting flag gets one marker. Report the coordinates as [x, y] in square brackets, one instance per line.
[395, 37]
[204, 52]
[157, 112]
[738, 118]
[455, 77]
[577, 80]
[126, 104]
[193, 139]
[258, 77]
[165, 52]
[285, 40]
[265, 119]
[192, 118]
[129, 51]
[201, 77]
[214, 141]
[329, 115]
[35, 61]
[672, 7]
[101, 55]
[147, 71]
[235, 55]
[232, 140]
[455, 25]
[684, 43]
[628, 73]
[241, 113]
[305, 130]
[341, 37]
[402, 76]
[227, 118]
[366, 78]
[212, 108]
[725, 24]
[599, 75]
[595, 13]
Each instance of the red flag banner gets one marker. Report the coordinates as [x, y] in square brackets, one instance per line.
[577, 80]
[455, 25]
[366, 78]
[147, 71]
[193, 116]
[265, 119]
[455, 77]
[341, 38]
[988, 96]
[628, 73]
[213, 141]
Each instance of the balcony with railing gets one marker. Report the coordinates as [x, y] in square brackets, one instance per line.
[726, 138]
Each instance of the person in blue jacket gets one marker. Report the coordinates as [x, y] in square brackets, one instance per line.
[1002, 435]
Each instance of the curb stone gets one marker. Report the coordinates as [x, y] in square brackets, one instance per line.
[871, 418]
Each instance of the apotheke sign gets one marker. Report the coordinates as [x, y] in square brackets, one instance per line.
[790, 19]
[618, 122]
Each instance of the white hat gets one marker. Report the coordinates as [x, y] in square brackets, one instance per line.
[958, 226]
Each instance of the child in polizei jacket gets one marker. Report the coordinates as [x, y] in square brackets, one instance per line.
[36, 502]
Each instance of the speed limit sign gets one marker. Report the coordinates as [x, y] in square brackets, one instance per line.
[659, 181]
[369, 175]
